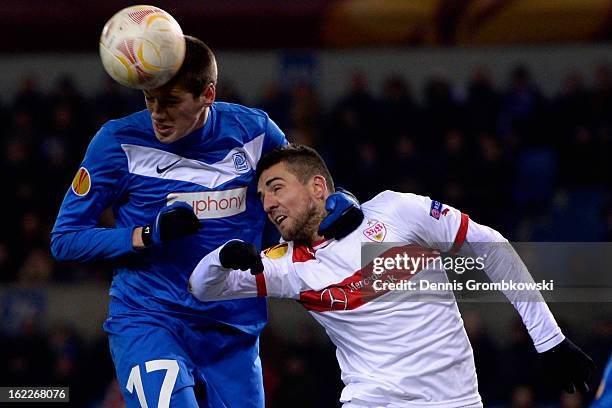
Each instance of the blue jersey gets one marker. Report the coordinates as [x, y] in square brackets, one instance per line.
[212, 169]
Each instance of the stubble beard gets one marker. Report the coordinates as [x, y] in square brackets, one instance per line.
[306, 225]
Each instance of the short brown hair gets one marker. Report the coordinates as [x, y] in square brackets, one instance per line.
[199, 68]
[303, 161]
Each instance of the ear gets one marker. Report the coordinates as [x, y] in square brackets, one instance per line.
[319, 187]
[209, 94]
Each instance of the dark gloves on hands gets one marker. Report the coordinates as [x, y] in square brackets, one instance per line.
[174, 221]
[569, 366]
[241, 255]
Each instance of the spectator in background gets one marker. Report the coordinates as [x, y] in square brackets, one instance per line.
[228, 93]
[441, 111]
[277, 103]
[453, 159]
[67, 95]
[110, 102]
[60, 144]
[571, 107]
[484, 347]
[405, 165]
[601, 106]
[351, 122]
[602, 121]
[519, 353]
[399, 114]
[482, 103]
[523, 397]
[493, 169]
[582, 148]
[30, 99]
[28, 356]
[520, 109]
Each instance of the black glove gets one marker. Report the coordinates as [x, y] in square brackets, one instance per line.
[174, 221]
[569, 366]
[241, 255]
[344, 215]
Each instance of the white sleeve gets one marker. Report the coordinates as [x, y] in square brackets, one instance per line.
[438, 226]
[279, 278]
[427, 222]
[211, 281]
[502, 263]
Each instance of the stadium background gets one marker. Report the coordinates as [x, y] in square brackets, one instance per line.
[502, 109]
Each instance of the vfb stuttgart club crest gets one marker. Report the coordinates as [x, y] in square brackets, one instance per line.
[334, 298]
[376, 231]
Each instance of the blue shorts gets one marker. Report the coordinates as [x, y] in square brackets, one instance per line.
[176, 362]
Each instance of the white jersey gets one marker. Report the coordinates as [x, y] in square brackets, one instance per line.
[405, 353]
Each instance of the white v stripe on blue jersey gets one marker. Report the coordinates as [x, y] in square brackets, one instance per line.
[148, 161]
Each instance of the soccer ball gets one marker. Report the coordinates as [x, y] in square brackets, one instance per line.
[142, 47]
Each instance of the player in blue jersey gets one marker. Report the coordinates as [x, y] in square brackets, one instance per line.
[180, 179]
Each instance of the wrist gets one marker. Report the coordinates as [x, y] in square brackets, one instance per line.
[137, 239]
[147, 236]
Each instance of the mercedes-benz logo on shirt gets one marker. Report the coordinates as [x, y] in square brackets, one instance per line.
[335, 298]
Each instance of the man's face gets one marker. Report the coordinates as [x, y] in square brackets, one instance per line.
[175, 112]
[295, 209]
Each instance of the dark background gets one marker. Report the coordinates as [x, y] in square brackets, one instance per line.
[533, 164]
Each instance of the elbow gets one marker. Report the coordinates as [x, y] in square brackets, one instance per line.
[191, 287]
[55, 251]
[57, 248]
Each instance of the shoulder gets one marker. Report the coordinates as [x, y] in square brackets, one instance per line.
[394, 200]
[107, 142]
[250, 122]
[138, 121]
[277, 251]
[136, 128]
[234, 111]
[405, 210]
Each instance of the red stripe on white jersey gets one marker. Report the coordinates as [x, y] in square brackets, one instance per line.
[461, 233]
[302, 253]
[357, 289]
[260, 280]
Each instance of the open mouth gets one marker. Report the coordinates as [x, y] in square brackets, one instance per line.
[163, 130]
[279, 219]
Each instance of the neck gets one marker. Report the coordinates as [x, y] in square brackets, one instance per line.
[312, 241]
[203, 118]
[314, 237]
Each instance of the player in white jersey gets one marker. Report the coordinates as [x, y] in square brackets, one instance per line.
[411, 352]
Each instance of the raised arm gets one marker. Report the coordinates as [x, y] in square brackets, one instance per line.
[235, 270]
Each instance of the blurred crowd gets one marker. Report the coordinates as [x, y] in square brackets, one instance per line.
[536, 168]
